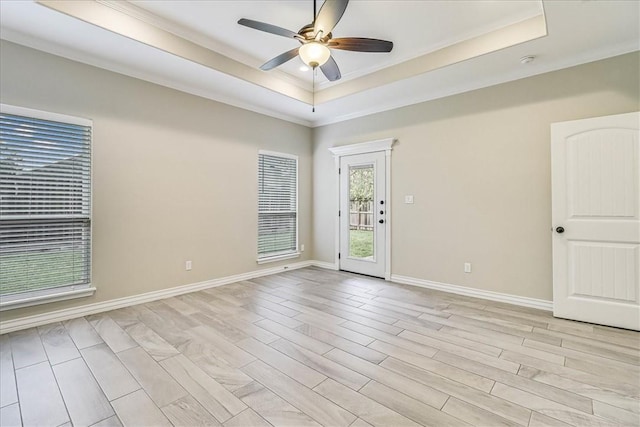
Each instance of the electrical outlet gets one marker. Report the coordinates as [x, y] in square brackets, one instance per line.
[302, 248]
[467, 267]
[187, 265]
[408, 199]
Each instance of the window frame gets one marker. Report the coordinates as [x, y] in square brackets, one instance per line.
[279, 255]
[43, 296]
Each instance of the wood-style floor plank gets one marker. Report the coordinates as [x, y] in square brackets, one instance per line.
[615, 414]
[8, 390]
[317, 407]
[460, 375]
[114, 379]
[113, 421]
[421, 392]
[456, 349]
[112, 334]
[593, 379]
[568, 353]
[137, 409]
[483, 400]
[215, 399]
[247, 418]
[628, 403]
[27, 348]
[83, 397]
[301, 372]
[188, 412]
[57, 343]
[539, 420]
[40, 401]
[408, 406]
[342, 343]
[161, 387]
[474, 415]
[294, 336]
[153, 343]
[452, 339]
[272, 407]
[321, 364]
[335, 329]
[547, 407]
[314, 347]
[203, 355]
[220, 346]
[369, 410]
[562, 396]
[270, 314]
[10, 416]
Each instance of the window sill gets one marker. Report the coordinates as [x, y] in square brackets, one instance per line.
[43, 297]
[275, 258]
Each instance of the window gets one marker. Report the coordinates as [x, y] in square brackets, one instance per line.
[45, 207]
[277, 206]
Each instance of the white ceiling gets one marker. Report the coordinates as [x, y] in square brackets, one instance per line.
[440, 47]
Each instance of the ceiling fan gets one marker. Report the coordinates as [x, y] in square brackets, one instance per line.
[316, 40]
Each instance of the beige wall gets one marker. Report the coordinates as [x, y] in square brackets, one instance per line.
[478, 165]
[175, 175]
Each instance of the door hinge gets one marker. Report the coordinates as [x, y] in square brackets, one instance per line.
[338, 255]
[339, 213]
[339, 171]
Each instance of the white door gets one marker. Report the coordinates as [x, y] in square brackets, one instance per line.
[595, 217]
[363, 213]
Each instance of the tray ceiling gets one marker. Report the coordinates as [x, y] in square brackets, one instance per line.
[440, 47]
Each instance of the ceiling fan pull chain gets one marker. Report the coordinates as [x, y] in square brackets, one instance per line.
[313, 86]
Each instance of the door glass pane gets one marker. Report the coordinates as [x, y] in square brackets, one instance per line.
[361, 229]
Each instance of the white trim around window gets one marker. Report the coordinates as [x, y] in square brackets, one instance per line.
[277, 206]
[63, 204]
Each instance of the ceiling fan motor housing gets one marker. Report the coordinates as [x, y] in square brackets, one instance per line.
[316, 40]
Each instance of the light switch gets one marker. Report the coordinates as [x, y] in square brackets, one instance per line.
[408, 199]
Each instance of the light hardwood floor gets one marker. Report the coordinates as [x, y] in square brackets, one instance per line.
[315, 347]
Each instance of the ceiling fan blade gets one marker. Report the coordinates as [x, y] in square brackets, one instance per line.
[280, 59]
[330, 70]
[268, 28]
[329, 15]
[360, 44]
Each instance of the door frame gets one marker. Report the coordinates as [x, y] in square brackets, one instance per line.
[365, 148]
[563, 301]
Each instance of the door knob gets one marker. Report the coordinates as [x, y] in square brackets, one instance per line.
[381, 221]
[560, 230]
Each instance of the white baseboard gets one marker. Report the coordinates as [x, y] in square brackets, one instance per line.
[325, 265]
[85, 310]
[477, 293]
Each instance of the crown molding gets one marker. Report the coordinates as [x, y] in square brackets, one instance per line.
[511, 35]
[115, 20]
[51, 48]
[363, 147]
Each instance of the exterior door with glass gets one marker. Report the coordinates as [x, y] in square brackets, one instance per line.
[363, 209]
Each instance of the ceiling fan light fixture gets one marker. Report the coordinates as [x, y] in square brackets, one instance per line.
[314, 54]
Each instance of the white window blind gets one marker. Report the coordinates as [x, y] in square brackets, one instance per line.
[277, 205]
[45, 204]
